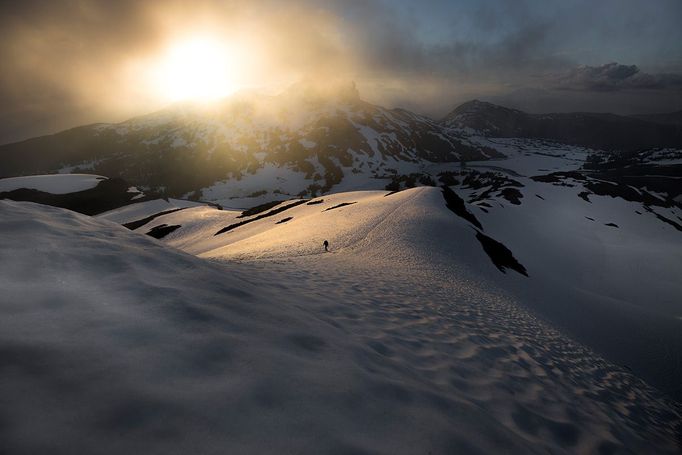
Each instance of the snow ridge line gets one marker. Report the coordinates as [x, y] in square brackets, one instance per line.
[417, 191]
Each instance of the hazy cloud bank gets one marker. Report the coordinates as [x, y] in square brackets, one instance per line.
[68, 62]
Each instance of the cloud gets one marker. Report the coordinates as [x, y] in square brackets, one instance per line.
[68, 62]
[613, 77]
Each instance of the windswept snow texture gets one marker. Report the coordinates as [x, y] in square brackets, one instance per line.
[55, 184]
[114, 343]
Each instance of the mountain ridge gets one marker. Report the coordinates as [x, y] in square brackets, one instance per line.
[606, 131]
[186, 147]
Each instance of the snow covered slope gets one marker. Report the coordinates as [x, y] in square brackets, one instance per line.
[597, 130]
[112, 342]
[55, 184]
[602, 267]
[605, 257]
[141, 210]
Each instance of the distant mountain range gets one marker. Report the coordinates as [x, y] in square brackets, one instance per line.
[672, 118]
[608, 132]
[319, 139]
[186, 147]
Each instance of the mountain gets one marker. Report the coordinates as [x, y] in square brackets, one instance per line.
[318, 135]
[671, 118]
[250, 149]
[599, 131]
[305, 141]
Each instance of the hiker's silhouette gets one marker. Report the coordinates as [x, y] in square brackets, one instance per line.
[326, 245]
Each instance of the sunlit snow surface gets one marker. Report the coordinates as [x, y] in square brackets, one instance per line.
[114, 343]
[140, 210]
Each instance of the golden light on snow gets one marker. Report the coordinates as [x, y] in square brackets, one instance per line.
[196, 68]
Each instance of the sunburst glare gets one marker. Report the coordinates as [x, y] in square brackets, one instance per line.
[196, 68]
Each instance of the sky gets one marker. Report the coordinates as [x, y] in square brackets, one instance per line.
[72, 62]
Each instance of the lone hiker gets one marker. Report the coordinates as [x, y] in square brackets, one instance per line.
[326, 245]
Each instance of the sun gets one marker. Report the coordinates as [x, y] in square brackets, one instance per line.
[196, 68]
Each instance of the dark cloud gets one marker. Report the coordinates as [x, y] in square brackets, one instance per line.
[389, 39]
[614, 77]
[543, 100]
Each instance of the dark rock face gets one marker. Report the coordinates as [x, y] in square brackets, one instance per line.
[132, 225]
[259, 209]
[512, 195]
[600, 131]
[279, 209]
[402, 181]
[448, 178]
[107, 195]
[456, 204]
[559, 177]
[338, 206]
[616, 185]
[652, 169]
[162, 230]
[491, 184]
[501, 256]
